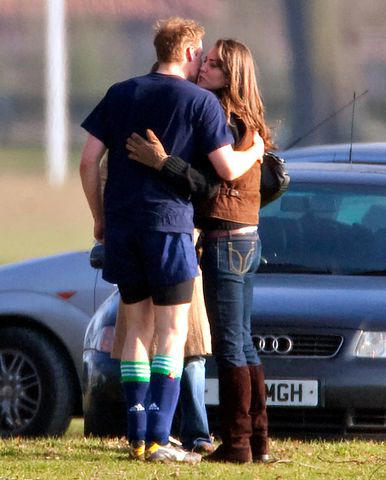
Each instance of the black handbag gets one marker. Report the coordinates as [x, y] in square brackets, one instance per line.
[274, 178]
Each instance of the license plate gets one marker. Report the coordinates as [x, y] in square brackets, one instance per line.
[211, 391]
[292, 393]
[280, 392]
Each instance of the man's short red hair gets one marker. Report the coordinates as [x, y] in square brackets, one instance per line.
[173, 36]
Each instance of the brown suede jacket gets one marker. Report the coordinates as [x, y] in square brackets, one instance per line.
[236, 201]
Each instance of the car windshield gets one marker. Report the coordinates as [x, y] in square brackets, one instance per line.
[331, 229]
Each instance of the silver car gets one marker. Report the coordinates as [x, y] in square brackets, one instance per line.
[45, 307]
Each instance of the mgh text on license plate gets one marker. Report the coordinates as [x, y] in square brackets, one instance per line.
[292, 393]
[280, 392]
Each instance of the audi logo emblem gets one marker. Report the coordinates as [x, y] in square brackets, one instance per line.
[280, 344]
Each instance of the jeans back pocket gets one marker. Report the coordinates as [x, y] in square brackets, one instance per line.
[241, 255]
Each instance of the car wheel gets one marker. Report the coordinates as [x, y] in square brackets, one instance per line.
[36, 388]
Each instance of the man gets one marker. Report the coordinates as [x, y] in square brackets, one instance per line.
[147, 228]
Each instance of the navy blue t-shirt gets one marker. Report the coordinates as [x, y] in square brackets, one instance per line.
[190, 123]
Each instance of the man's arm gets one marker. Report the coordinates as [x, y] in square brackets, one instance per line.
[230, 164]
[92, 154]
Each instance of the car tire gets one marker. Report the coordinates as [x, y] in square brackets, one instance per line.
[37, 390]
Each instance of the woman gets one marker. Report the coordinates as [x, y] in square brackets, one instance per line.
[227, 217]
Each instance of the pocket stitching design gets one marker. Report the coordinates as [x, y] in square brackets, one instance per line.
[244, 262]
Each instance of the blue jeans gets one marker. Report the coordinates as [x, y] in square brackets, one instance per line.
[194, 427]
[228, 266]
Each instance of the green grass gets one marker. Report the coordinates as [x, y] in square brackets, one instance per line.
[73, 457]
[31, 159]
[38, 219]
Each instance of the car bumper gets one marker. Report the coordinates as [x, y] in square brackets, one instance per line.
[351, 395]
[351, 399]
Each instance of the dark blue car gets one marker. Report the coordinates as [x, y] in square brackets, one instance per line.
[319, 311]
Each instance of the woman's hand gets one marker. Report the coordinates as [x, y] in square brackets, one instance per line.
[258, 145]
[252, 141]
[148, 152]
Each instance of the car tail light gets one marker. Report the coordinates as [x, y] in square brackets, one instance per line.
[105, 339]
[66, 294]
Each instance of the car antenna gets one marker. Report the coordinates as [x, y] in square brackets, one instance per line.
[352, 127]
[302, 137]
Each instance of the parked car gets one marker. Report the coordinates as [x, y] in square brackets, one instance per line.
[319, 310]
[368, 153]
[45, 306]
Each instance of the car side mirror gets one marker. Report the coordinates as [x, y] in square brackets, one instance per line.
[97, 255]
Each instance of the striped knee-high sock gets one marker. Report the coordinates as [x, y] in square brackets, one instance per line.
[164, 391]
[135, 378]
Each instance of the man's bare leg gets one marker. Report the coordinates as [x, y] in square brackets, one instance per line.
[139, 319]
[171, 328]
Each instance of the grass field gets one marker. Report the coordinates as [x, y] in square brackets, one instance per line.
[73, 457]
[38, 219]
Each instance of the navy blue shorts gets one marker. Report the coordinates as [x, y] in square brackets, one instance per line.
[150, 259]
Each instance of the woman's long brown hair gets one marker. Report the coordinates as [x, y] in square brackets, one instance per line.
[241, 96]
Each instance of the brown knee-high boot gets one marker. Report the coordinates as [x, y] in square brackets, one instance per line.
[258, 413]
[236, 428]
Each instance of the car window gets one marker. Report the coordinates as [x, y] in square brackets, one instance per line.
[325, 229]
